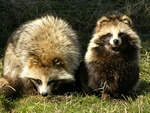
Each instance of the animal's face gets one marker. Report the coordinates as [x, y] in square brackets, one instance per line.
[115, 33]
[46, 76]
[114, 38]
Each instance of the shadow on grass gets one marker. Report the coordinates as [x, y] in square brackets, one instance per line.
[143, 88]
[7, 104]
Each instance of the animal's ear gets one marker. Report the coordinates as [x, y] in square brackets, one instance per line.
[33, 61]
[102, 21]
[127, 20]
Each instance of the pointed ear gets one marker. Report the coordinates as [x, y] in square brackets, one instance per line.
[127, 20]
[102, 21]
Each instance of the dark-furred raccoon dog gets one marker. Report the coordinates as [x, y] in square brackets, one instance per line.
[40, 57]
[111, 64]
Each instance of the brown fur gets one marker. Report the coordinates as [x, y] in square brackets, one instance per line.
[111, 68]
[43, 51]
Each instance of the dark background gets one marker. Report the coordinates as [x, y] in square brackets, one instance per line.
[81, 14]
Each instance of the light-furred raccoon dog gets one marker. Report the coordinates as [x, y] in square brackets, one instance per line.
[111, 65]
[41, 56]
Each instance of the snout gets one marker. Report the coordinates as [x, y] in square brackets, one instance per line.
[44, 94]
[44, 90]
[115, 42]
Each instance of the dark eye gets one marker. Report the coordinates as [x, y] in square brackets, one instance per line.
[104, 37]
[121, 34]
[38, 81]
[109, 35]
[51, 82]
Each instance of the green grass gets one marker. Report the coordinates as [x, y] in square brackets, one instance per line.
[76, 103]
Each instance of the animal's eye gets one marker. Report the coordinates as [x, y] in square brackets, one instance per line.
[57, 62]
[121, 34]
[103, 37]
[51, 82]
[108, 35]
[38, 81]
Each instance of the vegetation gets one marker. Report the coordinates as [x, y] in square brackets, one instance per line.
[82, 15]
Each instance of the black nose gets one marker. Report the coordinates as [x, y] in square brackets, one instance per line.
[116, 41]
[44, 94]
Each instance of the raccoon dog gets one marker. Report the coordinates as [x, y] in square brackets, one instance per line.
[111, 65]
[41, 56]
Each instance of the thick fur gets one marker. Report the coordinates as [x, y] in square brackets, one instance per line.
[111, 65]
[39, 56]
